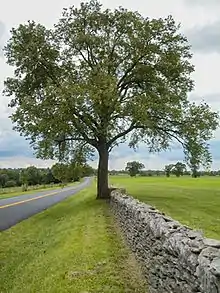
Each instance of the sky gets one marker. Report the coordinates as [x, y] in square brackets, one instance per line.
[200, 22]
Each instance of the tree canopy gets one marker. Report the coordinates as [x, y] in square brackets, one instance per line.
[168, 169]
[178, 169]
[134, 168]
[100, 77]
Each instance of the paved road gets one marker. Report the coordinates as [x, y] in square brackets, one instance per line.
[16, 209]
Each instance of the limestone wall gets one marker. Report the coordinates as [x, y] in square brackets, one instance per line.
[174, 258]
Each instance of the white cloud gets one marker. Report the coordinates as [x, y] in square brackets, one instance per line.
[206, 74]
[203, 3]
[23, 162]
[205, 39]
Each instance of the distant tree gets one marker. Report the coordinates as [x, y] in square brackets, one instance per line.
[134, 168]
[143, 173]
[213, 173]
[157, 172]
[87, 171]
[101, 75]
[33, 175]
[46, 176]
[113, 172]
[3, 179]
[77, 162]
[24, 177]
[49, 177]
[178, 169]
[10, 183]
[75, 171]
[168, 169]
[13, 174]
[61, 172]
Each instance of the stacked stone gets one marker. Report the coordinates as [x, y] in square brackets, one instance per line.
[174, 258]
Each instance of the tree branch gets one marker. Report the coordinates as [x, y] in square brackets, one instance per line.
[84, 138]
[129, 70]
[63, 139]
[172, 133]
[129, 129]
[84, 58]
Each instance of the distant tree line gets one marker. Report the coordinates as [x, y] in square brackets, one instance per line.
[31, 176]
[135, 168]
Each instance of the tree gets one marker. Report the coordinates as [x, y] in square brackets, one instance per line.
[61, 172]
[78, 162]
[134, 168]
[179, 168]
[168, 169]
[87, 171]
[47, 176]
[24, 177]
[100, 75]
[10, 183]
[3, 179]
[33, 175]
[198, 156]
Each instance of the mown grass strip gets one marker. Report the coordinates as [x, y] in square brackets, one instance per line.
[72, 247]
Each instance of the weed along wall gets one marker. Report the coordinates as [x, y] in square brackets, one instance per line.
[174, 258]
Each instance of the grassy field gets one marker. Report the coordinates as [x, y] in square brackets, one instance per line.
[15, 191]
[72, 247]
[194, 202]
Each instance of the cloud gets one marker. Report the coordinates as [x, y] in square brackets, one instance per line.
[202, 2]
[12, 145]
[2, 30]
[211, 98]
[206, 73]
[23, 162]
[205, 39]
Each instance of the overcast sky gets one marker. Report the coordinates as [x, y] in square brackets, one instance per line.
[200, 21]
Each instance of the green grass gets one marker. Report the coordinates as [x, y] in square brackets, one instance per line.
[15, 191]
[72, 247]
[193, 202]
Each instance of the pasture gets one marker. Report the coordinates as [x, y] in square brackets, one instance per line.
[192, 201]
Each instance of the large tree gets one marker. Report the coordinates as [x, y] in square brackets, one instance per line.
[100, 75]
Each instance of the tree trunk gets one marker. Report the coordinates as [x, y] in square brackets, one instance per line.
[194, 173]
[102, 182]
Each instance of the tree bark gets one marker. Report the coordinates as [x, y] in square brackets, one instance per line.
[102, 180]
[194, 173]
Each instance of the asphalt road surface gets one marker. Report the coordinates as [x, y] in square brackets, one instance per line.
[18, 208]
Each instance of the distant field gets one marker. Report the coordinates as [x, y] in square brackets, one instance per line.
[15, 191]
[192, 201]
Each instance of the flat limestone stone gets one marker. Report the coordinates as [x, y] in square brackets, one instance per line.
[211, 242]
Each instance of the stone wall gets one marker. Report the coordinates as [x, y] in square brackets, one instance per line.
[174, 258]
